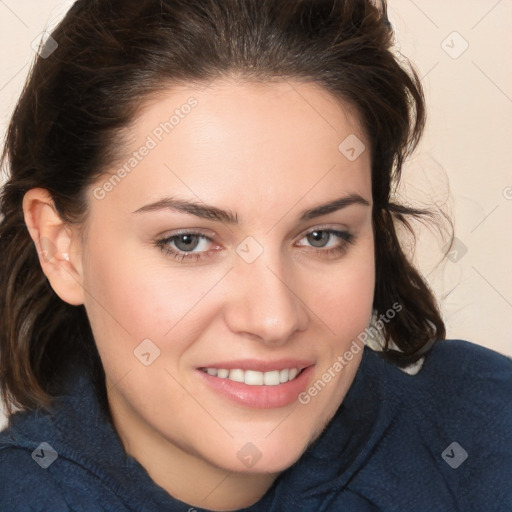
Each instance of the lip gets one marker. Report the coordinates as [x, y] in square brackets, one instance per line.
[260, 366]
[259, 397]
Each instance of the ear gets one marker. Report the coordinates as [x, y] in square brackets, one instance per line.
[57, 244]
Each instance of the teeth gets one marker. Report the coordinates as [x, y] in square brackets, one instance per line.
[236, 375]
[254, 378]
[271, 378]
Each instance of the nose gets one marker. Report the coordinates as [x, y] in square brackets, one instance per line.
[264, 303]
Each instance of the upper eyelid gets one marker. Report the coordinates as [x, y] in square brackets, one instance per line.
[211, 234]
[190, 231]
[201, 234]
[331, 229]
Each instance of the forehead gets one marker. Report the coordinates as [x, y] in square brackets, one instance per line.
[242, 142]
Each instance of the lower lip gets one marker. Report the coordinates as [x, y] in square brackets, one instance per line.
[260, 397]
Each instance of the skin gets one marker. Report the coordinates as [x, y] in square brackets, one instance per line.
[265, 152]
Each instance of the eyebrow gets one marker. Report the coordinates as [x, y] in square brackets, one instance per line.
[205, 211]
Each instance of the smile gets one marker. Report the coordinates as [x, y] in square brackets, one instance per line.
[258, 384]
[253, 377]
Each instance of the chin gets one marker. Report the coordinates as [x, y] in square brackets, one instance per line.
[265, 457]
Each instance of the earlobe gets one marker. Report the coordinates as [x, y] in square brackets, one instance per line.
[56, 244]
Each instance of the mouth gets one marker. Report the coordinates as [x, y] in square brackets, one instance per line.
[257, 384]
[254, 377]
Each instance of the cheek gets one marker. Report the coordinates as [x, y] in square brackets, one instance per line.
[344, 295]
[344, 310]
[131, 298]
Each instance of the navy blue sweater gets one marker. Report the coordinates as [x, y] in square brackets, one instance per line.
[440, 440]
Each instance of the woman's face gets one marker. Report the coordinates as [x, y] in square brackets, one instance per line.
[234, 237]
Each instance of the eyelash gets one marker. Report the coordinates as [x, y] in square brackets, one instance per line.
[345, 237]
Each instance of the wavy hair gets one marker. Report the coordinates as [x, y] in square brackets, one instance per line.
[111, 55]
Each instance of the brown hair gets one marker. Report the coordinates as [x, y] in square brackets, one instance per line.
[114, 53]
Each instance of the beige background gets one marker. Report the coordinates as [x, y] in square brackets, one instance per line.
[461, 50]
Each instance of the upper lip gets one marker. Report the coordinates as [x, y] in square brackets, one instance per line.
[260, 366]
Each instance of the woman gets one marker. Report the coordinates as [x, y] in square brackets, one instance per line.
[199, 246]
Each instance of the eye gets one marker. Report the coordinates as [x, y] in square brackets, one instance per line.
[185, 245]
[327, 242]
[188, 242]
[193, 246]
[320, 238]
